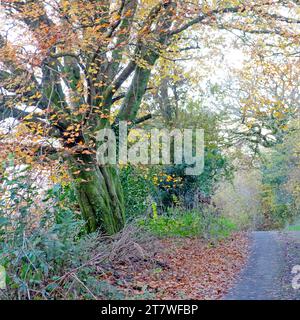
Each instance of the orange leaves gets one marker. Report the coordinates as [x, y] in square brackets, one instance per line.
[49, 36]
[78, 172]
[73, 130]
[186, 269]
[87, 152]
[104, 116]
[73, 127]
[8, 52]
[72, 133]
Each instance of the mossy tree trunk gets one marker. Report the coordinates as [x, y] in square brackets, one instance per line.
[78, 84]
[99, 194]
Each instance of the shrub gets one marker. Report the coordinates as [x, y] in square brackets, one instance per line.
[175, 184]
[137, 189]
[46, 254]
[281, 181]
[192, 223]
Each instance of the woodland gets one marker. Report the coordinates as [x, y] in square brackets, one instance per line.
[71, 228]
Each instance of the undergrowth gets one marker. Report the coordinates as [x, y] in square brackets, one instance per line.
[45, 251]
[47, 254]
[193, 223]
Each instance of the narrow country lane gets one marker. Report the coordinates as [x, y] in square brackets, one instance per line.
[267, 275]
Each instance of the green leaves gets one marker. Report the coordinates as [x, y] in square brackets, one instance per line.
[193, 223]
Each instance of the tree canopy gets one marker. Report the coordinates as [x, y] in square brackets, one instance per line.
[70, 68]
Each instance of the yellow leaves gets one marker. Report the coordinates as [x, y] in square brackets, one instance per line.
[154, 211]
[249, 123]
[72, 133]
[278, 115]
[28, 117]
[29, 130]
[74, 127]
[82, 109]
[58, 173]
[29, 88]
[150, 3]
[115, 17]
[53, 117]
[146, 6]
[268, 85]
[93, 70]
[28, 159]
[142, 63]
[23, 143]
[166, 181]
[37, 95]
[128, 13]
[168, 69]
[70, 128]
[137, 134]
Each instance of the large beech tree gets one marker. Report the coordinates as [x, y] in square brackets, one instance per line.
[77, 66]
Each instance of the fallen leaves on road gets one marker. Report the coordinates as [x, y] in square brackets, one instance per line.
[185, 268]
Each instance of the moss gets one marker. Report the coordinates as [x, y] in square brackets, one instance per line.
[100, 197]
